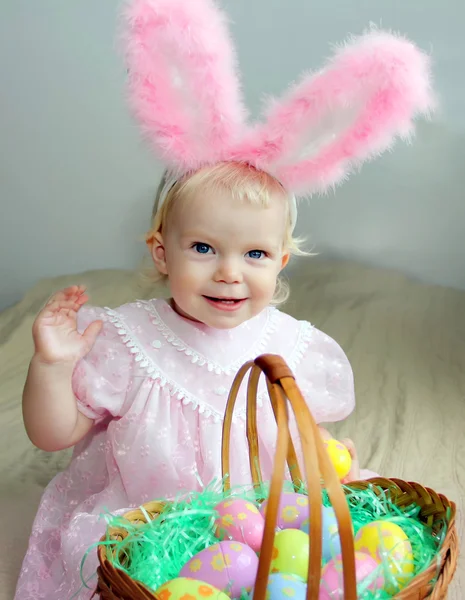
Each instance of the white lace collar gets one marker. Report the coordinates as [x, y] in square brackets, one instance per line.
[155, 335]
[221, 350]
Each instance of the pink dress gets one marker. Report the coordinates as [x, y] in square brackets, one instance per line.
[156, 385]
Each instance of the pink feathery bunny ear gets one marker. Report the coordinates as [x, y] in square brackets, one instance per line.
[352, 110]
[183, 83]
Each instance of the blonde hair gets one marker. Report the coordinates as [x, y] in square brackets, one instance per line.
[246, 184]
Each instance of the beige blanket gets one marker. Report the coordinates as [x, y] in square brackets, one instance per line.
[406, 342]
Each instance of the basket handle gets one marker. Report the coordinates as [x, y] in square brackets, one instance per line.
[282, 386]
[251, 426]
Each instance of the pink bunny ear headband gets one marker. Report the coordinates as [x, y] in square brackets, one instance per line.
[184, 90]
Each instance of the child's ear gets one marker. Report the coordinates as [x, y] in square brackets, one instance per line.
[156, 246]
[285, 260]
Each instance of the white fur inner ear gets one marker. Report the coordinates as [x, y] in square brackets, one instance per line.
[317, 136]
[181, 81]
[176, 78]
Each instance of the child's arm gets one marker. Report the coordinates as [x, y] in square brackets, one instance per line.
[50, 412]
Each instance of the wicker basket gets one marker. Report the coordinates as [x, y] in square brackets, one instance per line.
[436, 509]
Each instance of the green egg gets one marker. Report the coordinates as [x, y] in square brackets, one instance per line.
[291, 553]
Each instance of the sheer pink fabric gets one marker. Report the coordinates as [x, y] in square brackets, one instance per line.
[156, 385]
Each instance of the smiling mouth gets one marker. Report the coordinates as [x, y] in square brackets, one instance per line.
[227, 301]
[225, 305]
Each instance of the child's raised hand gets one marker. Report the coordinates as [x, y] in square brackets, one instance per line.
[56, 338]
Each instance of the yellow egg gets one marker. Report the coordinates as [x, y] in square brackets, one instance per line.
[183, 588]
[386, 542]
[290, 553]
[340, 457]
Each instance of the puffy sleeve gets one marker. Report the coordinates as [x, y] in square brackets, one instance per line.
[101, 379]
[325, 378]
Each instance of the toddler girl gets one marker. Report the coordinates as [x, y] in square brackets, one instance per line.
[140, 391]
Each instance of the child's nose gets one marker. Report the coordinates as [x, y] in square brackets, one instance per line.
[229, 271]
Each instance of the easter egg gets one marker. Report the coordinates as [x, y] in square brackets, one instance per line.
[386, 542]
[368, 575]
[292, 512]
[281, 586]
[331, 543]
[240, 520]
[290, 553]
[229, 566]
[183, 587]
[340, 457]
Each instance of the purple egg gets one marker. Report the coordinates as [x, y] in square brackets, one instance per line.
[229, 566]
[293, 510]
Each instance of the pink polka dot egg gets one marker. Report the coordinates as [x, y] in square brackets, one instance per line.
[241, 521]
[229, 566]
[293, 510]
[368, 575]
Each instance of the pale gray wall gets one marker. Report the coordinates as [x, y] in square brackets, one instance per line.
[76, 183]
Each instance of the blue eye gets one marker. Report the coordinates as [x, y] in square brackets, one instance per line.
[257, 254]
[202, 248]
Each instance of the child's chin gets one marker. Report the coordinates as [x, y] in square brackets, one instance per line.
[225, 320]
[224, 323]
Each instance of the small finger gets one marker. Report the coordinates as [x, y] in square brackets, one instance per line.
[80, 291]
[75, 292]
[66, 293]
[80, 300]
[349, 444]
[60, 305]
[56, 298]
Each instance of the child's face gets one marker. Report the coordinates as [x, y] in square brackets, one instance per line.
[222, 257]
